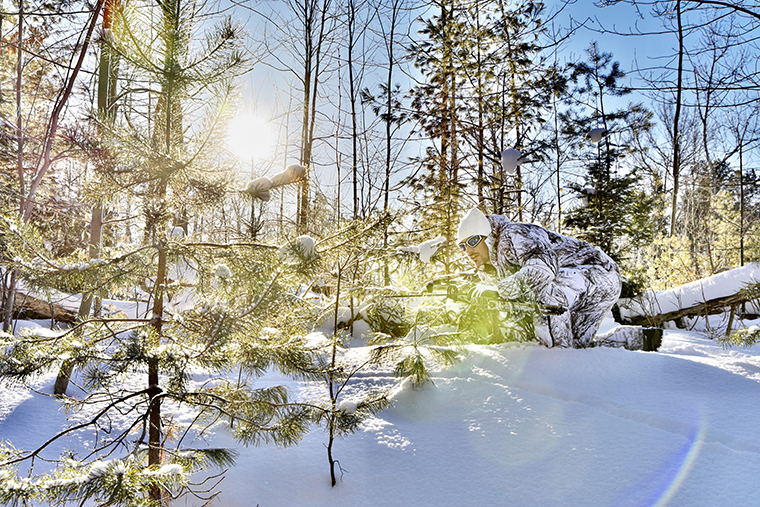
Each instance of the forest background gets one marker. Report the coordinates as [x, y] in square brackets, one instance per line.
[239, 139]
[407, 107]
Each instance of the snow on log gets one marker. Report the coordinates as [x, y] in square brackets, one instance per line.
[708, 296]
[291, 174]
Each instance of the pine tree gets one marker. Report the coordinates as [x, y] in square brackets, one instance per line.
[615, 213]
[523, 92]
[345, 406]
[439, 186]
[487, 90]
[210, 307]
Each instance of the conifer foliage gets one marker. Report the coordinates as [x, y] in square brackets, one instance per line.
[616, 211]
[231, 325]
[486, 89]
[204, 309]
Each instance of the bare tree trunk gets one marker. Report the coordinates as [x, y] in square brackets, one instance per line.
[676, 118]
[314, 38]
[389, 113]
[96, 228]
[481, 153]
[352, 97]
[741, 204]
[19, 112]
[305, 158]
[338, 126]
[447, 154]
[558, 154]
[106, 92]
[9, 297]
[390, 40]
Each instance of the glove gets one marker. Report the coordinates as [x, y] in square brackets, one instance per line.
[485, 290]
[512, 287]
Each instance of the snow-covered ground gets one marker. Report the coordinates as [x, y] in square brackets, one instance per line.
[513, 424]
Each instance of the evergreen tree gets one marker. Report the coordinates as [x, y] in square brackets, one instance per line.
[487, 90]
[523, 92]
[208, 308]
[345, 406]
[435, 101]
[615, 213]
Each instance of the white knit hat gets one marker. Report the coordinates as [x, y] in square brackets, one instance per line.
[474, 222]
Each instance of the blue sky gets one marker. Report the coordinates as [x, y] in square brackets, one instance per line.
[606, 25]
[632, 51]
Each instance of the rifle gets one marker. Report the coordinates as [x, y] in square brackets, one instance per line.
[489, 301]
[488, 316]
[481, 317]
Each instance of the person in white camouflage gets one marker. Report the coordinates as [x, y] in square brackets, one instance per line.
[560, 271]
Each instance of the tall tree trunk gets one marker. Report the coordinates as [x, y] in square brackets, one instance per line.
[446, 155]
[19, 112]
[154, 409]
[305, 159]
[558, 154]
[9, 297]
[96, 227]
[106, 98]
[676, 120]
[314, 38]
[305, 156]
[352, 92]
[481, 153]
[741, 203]
[338, 129]
[389, 131]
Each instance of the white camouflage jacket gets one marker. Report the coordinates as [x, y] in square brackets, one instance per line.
[529, 257]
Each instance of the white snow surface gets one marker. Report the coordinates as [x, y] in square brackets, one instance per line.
[512, 424]
[691, 294]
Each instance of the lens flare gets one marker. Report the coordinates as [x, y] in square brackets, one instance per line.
[687, 457]
[660, 486]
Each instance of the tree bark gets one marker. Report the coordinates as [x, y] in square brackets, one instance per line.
[710, 307]
[676, 119]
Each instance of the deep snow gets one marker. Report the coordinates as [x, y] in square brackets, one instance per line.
[513, 424]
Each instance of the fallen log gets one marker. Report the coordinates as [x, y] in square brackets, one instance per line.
[733, 290]
[29, 307]
[712, 307]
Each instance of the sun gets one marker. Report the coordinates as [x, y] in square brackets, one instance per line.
[250, 137]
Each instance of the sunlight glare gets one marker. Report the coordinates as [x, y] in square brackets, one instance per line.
[250, 137]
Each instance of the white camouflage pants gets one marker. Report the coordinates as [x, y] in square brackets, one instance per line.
[588, 292]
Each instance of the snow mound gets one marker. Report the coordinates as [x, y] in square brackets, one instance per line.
[519, 424]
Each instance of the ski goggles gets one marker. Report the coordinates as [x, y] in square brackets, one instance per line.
[472, 242]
